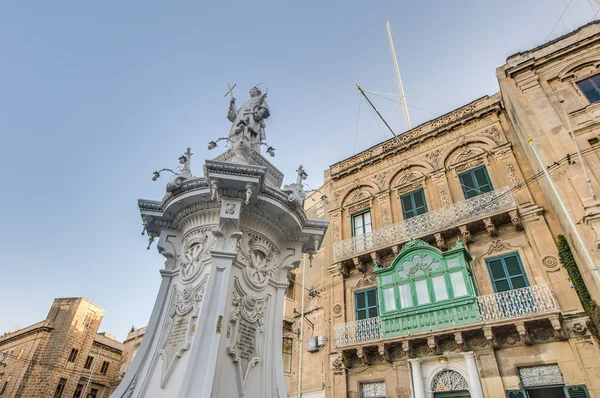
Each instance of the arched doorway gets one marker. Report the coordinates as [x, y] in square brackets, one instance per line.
[449, 383]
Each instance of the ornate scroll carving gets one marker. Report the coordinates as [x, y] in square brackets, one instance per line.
[248, 320]
[260, 257]
[198, 244]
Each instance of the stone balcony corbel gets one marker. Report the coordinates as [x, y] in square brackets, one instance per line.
[516, 219]
[432, 343]
[440, 241]
[395, 250]
[559, 331]
[363, 355]
[384, 352]
[466, 234]
[407, 348]
[376, 260]
[524, 333]
[339, 268]
[490, 336]
[359, 264]
[460, 341]
[490, 227]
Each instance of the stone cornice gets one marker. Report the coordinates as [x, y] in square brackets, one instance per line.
[43, 326]
[444, 124]
[556, 49]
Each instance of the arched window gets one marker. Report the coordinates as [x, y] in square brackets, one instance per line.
[449, 380]
[425, 289]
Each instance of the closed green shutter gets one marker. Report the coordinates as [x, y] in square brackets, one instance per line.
[515, 394]
[366, 304]
[507, 272]
[413, 204]
[577, 392]
[475, 182]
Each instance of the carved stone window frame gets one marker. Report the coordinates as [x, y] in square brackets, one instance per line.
[499, 248]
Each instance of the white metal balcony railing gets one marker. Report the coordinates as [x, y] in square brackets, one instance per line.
[428, 223]
[357, 332]
[529, 300]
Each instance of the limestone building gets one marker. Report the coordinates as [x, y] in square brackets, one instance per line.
[439, 275]
[62, 356]
[130, 347]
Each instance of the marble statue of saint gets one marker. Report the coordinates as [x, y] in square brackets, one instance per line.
[249, 119]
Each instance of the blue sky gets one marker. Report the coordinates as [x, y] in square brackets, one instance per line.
[94, 96]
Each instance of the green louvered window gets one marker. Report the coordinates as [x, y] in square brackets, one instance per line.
[475, 182]
[413, 204]
[507, 272]
[577, 392]
[366, 304]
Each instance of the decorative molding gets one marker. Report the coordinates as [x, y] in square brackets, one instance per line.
[198, 244]
[248, 319]
[498, 245]
[512, 174]
[444, 197]
[176, 337]
[337, 310]
[549, 261]
[260, 257]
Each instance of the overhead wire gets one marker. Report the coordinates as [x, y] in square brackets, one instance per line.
[567, 158]
[559, 19]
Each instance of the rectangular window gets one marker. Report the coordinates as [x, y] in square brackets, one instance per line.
[373, 390]
[591, 88]
[287, 354]
[104, 367]
[405, 296]
[507, 272]
[361, 223]
[291, 286]
[389, 299]
[60, 387]
[439, 288]
[413, 204]
[88, 362]
[422, 292]
[475, 182]
[366, 304]
[73, 355]
[458, 284]
[78, 391]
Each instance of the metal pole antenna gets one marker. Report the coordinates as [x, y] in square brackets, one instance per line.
[398, 80]
[563, 207]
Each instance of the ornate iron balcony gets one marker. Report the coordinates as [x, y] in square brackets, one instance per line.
[358, 332]
[529, 300]
[458, 213]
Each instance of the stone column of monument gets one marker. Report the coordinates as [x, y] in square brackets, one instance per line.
[229, 238]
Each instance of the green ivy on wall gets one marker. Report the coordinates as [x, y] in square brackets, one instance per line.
[589, 305]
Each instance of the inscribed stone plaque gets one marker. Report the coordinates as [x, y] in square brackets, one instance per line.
[246, 342]
[177, 338]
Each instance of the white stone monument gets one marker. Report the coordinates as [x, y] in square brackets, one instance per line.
[229, 238]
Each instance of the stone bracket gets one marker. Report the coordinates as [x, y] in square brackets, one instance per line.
[466, 234]
[524, 333]
[359, 264]
[432, 343]
[384, 353]
[441, 242]
[460, 341]
[559, 331]
[490, 227]
[516, 219]
[490, 336]
[407, 348]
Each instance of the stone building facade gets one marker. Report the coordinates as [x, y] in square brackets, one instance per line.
[61, 356]
[130, 347]
[439, 275]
